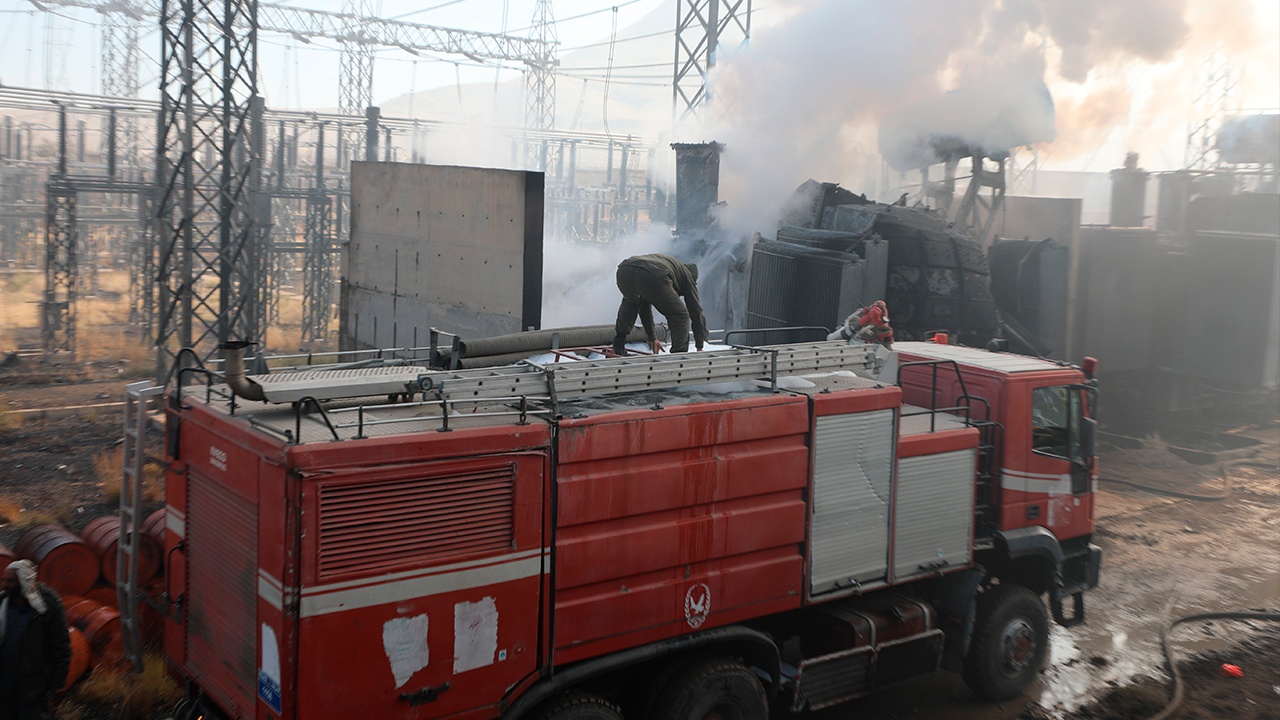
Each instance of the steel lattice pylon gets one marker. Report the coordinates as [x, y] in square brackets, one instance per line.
[540, 100]
[119, 55]
[208, 168]
[703, 27]
[120, 75]
[142, 260]
[317, 258]
[1209, 110]
[355, 73]
[317, 268]
[57, 322]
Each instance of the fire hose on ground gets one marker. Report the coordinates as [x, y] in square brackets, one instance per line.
[1175, 702]
[1226, 482]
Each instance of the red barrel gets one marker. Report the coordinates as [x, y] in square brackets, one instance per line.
[103, 535]
[66, 562]
[153, 527]
[101, 627]
[103, 595]
[80, 655]
[6, 556]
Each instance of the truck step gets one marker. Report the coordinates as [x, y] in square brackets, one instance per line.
[832, 679]
[837, 677]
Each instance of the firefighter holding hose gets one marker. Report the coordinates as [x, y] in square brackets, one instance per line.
[868, 324]
[659, 281]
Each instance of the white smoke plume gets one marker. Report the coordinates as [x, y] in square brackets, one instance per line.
[804, 100]
[579, 286]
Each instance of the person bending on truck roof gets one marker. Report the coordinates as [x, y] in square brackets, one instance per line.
[659, 281]
[35, 649]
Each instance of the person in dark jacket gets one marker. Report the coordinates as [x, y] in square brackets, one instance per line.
[659, 281]
[35, 649]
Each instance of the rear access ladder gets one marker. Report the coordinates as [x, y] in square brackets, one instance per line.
[134, 451]
[561, 381]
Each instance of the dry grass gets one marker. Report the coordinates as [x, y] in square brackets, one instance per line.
[10, 510]
[134, 696]
[108, 465]
[11, 420]
[30, 518]
[101, 333]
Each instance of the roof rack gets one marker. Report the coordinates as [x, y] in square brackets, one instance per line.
[562, 381]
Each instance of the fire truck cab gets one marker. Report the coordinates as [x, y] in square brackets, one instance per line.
[730, 531]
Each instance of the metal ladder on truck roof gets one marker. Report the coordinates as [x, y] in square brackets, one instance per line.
[134, 452]
[563, 381]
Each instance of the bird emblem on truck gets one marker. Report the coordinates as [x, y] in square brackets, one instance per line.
[697, 604]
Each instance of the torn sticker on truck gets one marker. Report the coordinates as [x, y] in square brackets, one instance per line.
[475, 634]
[404, 640]
[269, 672]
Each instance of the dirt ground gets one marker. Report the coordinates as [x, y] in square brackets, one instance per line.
[1164, 557]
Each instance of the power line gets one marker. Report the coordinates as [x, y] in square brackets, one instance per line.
[609, 74]
[423, 10]
[621, 40]
[618, 67]
[613, 8]
[616, 81]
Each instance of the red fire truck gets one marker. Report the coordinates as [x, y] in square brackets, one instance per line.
[733, 531]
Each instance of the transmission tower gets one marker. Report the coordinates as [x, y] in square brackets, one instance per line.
[119, 55]
[703, 27]
[1207, 112]
[355, 73]
[540, 106]
[208, 166]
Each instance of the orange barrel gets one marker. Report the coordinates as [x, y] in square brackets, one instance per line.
[101, 627]
[6, 556]
[103, 535]
[103, 595]
[67, 602]
[66, 562]
[153, 527]
[80, 654]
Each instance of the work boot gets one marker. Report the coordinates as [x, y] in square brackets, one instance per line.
[619, 346]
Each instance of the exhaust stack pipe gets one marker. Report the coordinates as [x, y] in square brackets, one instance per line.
[233, 371]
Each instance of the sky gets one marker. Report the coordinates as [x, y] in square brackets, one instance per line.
[805, 96]
[296, 74]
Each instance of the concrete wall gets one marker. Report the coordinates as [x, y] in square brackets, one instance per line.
[1038, 218]
[455, 248]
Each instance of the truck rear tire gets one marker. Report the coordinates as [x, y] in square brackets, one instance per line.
[716, 689]
[1010, 637]
[580, 706]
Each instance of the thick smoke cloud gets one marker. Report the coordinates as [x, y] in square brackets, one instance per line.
[805, 98]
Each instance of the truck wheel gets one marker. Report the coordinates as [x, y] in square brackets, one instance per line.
[1010, 637]
[716, 689]
[580, 706]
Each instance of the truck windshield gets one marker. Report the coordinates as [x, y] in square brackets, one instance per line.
[1056, 414]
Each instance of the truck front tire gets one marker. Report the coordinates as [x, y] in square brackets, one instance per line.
[1010, 637]
[717, 688]
[580, 706]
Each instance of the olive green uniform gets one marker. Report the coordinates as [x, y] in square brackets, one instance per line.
[659, 281]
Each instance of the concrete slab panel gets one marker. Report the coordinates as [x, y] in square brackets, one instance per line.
[456, 248]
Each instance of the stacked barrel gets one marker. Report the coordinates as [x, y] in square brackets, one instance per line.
[82, 568]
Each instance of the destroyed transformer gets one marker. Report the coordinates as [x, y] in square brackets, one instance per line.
[648, 537]
[835, 251]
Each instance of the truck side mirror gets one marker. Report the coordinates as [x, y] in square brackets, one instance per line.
[1089, 437]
